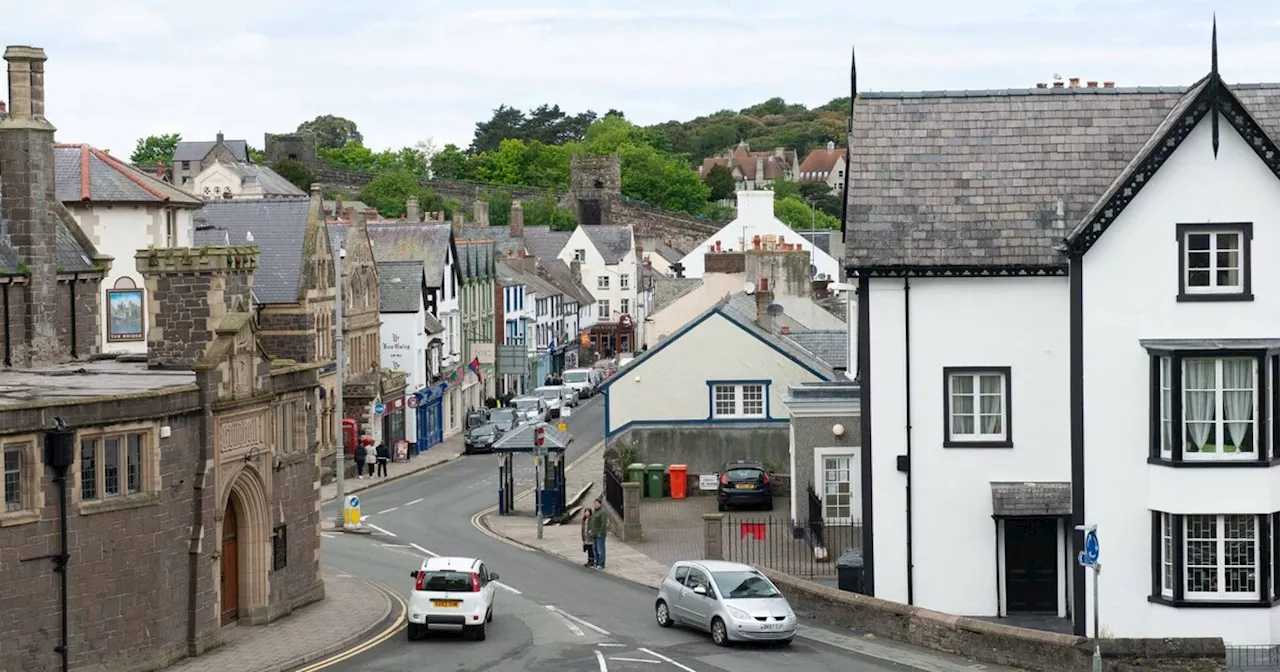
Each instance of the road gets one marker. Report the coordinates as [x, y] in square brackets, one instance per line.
[549, 614]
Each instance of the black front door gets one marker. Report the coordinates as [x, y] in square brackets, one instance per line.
[1031, 564]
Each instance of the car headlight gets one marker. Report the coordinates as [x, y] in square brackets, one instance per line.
[739, 614]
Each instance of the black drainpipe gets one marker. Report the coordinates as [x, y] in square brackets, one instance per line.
[75, 277]
[198, 537]
[906, 347]
[8, 343]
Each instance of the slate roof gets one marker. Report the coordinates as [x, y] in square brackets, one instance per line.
[544, 243]
[84, 173]
[793, 307]
[427, 244]
[829, 345]
[196, 151]
[532, 282]
[278, 226]
[73, 254]
[975, 178]
[522, 437]
[559, 274]
[1012, 500]
[611, 241]
[506, 244]
[476, 258]
[273, 183]
[667, 291]
[433, 325]
[399, 286]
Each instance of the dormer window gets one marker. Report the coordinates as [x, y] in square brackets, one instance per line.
[579, 255]
[1214, 262]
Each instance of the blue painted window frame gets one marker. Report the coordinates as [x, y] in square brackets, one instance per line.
[711, 400]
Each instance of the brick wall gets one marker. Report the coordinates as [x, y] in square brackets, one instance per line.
[191, 290]
[725, 262]
[85, 314]
[994, 642]
[273, 325]
[295, 492]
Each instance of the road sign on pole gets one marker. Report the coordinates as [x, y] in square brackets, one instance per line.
[379, 408]
[1089, 558]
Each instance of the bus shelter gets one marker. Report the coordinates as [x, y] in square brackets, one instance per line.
[546, 443]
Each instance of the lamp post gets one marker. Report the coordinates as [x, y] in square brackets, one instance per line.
[341, 370]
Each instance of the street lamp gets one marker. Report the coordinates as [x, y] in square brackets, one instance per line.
[340, 351]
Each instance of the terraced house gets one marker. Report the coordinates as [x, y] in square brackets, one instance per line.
[477, 265]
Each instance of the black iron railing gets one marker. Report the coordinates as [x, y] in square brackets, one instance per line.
[815, 521]
[772, 543]
[1253, 658]
[613, 491]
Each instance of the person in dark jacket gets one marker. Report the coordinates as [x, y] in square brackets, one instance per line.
[361, 451]
[599, 528]
[384, 456]
[588, 544]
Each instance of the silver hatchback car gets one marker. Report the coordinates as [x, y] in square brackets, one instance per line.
[730, 600]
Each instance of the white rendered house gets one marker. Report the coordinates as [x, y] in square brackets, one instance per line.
[403, 332]
[224, 179]
[606, 257]
[1092, 346]
[755, 221]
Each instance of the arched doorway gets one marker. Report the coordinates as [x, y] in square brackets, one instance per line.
[230, 564]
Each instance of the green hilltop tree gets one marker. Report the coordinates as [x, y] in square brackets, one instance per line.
[154, 149]
[720, 180]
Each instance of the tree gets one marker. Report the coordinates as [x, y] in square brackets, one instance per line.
[356, 156]
[797, 214]
[451, 163]
[154, 149]
[499, 206]
[547, 211]
[255, 155]
[388, 193]
[662, 180]
[517, 163]
[720, 181]
[505, 123]
[295, 172]
[547, 124]
[331, 132]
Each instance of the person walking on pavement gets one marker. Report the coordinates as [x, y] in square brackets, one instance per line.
[371, 459]
[599, 531]
[588, 543]
[383, 455]
[362, 451]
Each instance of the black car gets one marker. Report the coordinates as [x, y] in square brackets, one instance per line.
[506, 418]
[480, 439]
[744, 483]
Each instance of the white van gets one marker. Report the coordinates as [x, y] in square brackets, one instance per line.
[583, 381]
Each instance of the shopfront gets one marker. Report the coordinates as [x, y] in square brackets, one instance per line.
[393, 423]
[430, 412]
[612, 339]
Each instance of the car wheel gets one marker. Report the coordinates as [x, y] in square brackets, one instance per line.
[488, 618]
[663, 613]
[719, 633]
[477, 633]
[414, 633]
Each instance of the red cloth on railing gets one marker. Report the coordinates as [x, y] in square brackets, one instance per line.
[753, 530]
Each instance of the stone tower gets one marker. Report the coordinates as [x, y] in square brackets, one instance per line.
[300, 147]
[595, 184]
[192, 291]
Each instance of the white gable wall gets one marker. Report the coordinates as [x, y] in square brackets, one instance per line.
[1020, 323]
[755, 221]
[1130, 283]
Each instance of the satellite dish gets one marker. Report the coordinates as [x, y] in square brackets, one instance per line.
[774, 309]
[749, 288]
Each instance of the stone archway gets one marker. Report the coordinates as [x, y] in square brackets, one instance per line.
[248, 498]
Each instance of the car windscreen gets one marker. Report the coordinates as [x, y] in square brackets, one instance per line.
[447, 581]
[575, 377]
[484, 430]
[502, 416]
[526, 404]
[550, 393]
[748, 474]
[742, 585]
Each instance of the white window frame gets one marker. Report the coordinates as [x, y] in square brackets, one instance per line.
[735, 393]
[602, 309]
[624, 306]
[602, 282]
[1220, 434]
[820, 457]
[580, 255]
[1212, 269]
[624, 281]
[977, 436]
[1220, 595]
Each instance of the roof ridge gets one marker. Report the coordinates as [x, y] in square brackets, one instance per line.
[129, 173]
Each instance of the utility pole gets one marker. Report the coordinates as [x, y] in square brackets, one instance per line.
[341, 372]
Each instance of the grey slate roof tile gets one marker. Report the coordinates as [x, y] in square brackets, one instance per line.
[1012, 500]
[433, 325]
[975, 177]
[831, 346]
[399, 286]
[273, 183]
[110, 180]
[197, 150]
[427, 244]
[544, 243]
[611, 241]
[508, 246]
[278, 226]
[561, 276]
[667, 291]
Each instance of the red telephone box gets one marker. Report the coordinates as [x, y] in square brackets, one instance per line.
[350, 437]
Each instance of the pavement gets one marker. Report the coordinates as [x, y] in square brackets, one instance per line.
[353, 611]
[447, 451]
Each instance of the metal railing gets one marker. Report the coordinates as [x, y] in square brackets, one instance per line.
[613, 492]
[777, 544]
[815, 522]
[1253, 658]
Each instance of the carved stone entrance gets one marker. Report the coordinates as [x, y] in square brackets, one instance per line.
[246, 559]
[230, 567]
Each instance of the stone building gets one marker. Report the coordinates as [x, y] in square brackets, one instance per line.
[190, 479]
[190, 158]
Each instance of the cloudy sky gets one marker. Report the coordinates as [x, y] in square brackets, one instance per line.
[409, 70]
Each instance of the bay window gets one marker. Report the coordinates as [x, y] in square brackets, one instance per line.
[1213, 559]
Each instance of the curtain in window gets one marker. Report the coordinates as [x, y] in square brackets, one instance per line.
[991, 413]
[1201, 391]
[1237, 399]
[962, 405]
[1166, 404]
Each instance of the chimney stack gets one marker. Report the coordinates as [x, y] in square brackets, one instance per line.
[759, 168]
[219, 137]
[1075, 82]
[160, 170]
[412, 210]
[29, 204]
[517, 220]
[480, 212]
[1093, 84]
[1108, 85]
[575, 267]
[764, 298]
[337, 207]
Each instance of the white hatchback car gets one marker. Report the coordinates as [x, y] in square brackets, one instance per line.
[732, 601]
[454, 593]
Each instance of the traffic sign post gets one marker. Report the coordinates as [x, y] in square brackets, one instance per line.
[1089, 558]
[379, 408]
[351, 512]
[539, 456]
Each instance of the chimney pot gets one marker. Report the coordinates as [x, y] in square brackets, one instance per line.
[412, 210]
[1108, 85]
[317, 189]
[764, 284]
[1075, 82]
[516, 226]
[1057, 85]
[1093, 83]
[1041, 85]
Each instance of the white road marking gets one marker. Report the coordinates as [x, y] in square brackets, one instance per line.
[434, 555]
[388, 510]
[614, 645]
[620, 659]
[579, 621]
[659, 656]
[600, 657]
[507, 588]
[394, 545]
[568, 623]
[389, 534]
[416, 501]
[328, 536]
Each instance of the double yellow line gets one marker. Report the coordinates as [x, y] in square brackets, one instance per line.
[476, 523]
[361, 648]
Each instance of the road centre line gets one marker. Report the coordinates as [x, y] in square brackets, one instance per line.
[659, 656]
[579, 621]
[600, 657]
[568, 623]
[436, 555]
[620, 659]
[389, 534]
[620, 646]
[394, 508]
[416, 501]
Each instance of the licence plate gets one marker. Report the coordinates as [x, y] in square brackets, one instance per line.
[745, 486]
[446, 604]
[771, 626]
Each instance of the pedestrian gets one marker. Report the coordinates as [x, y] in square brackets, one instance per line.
[371, 460]
[599, 530]
[384, 456]
[588, 543]
[361, 452]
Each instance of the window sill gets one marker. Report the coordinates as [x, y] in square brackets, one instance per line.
[1212, 604]
[950, 443]
[15, 518]
[1214, 464]
[121, 503]
[1183, 297]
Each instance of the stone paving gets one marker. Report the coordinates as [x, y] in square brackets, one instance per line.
[353, 611]
[449, 450]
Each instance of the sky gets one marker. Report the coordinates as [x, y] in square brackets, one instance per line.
[408, 71]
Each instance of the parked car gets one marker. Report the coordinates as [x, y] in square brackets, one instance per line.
[744, 483]
[553, 396]
[477, 417]
[584, 381]
[732, 601]
[570, 395]
[456, 593]
[505, 419]
[624, 361]
[532, 408]
[481, 439]
[606, 367]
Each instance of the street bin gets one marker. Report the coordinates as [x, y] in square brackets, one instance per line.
[849, 571]
[679, 481]
[635, 473]
[653, 481]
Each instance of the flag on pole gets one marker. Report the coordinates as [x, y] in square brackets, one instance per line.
[475, 368]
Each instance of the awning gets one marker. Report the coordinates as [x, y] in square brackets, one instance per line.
[1164, 345]
[1030, 499]
[433, 325]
